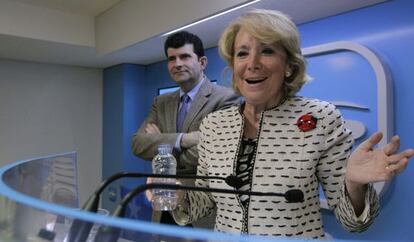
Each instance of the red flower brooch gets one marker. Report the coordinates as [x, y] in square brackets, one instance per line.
[306, 123]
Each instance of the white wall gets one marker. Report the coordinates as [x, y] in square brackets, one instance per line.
[130, 21]
[47, 109]
[28, 21]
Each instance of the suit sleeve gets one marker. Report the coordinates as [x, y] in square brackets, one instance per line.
[197, 205]
[188, 160]
[331, 173]
[229, 98]
[189, 157]
[145, 145]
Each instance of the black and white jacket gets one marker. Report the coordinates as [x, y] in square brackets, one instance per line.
[286, 158]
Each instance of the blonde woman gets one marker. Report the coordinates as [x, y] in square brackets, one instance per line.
[276, 141]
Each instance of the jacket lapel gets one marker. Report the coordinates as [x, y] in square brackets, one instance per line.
[174, 104]
[198, 104]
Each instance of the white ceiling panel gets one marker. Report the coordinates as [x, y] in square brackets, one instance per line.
[151, 49]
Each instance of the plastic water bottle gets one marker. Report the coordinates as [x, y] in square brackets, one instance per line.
[164, 163]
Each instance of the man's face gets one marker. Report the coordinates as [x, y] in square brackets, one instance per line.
[185, 67]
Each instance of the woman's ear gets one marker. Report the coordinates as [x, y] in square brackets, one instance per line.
[289, 70]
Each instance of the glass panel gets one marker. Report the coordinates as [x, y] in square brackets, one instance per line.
[51, 179]
[39, 202]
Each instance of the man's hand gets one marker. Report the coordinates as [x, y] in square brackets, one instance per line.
[190, 139]
[152, 128]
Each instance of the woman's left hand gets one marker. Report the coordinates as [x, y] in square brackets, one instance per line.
[366, 164]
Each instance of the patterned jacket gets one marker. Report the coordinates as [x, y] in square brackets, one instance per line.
[286, 158]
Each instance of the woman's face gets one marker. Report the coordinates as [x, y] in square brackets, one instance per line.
[259, 70]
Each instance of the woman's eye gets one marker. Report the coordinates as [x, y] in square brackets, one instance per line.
[268, 51]
[241, 54]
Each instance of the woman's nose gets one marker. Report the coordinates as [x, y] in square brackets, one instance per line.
[254, 62]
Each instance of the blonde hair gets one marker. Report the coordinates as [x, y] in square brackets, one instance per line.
[269, 27]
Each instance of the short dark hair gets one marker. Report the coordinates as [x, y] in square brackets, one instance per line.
[179, 39]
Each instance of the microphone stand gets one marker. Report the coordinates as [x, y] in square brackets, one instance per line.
[80, 229]
[92, 203]
[111, 234]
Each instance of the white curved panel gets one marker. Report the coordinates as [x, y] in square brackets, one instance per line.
[385, 99]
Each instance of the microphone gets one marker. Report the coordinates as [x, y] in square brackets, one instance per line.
[111, 234]
[234, 181]
[80, 229]
[91, 204]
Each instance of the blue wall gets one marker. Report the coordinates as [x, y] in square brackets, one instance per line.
[387, 29]
[124, 98]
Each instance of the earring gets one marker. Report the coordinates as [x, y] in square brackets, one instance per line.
[287, 74]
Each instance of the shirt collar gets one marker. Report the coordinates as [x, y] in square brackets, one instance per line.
[193, 92]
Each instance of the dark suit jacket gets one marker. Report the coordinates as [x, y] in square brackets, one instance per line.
[163, 113]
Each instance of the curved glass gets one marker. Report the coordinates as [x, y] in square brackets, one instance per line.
[39, 202]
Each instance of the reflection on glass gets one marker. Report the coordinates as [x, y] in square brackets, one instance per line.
[95, 227]
[52, 179]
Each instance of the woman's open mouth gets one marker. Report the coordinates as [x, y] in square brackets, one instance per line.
[255, 80]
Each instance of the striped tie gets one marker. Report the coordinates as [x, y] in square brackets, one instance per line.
[185, 99]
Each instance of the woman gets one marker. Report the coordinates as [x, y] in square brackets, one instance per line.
[277, 141]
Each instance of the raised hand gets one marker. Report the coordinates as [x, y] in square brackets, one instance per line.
[367, 164]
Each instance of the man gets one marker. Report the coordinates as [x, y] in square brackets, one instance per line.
[164, 124]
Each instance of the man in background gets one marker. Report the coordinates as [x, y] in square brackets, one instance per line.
[175, 117]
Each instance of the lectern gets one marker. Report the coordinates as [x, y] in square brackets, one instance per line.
[39, 200]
